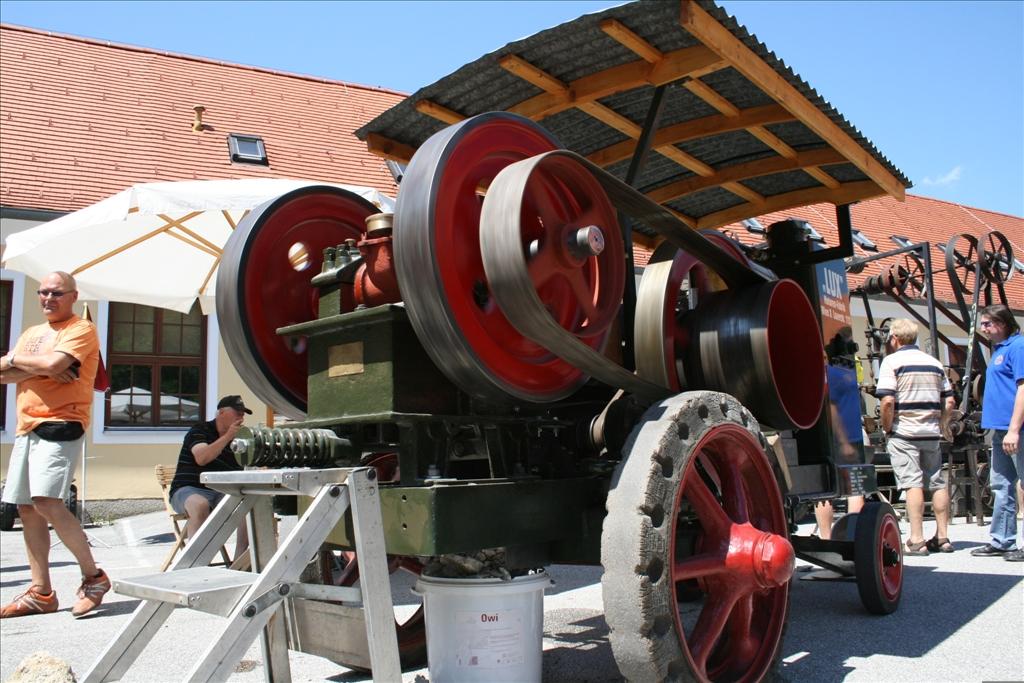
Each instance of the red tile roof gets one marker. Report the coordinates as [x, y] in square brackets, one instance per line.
[82, 119]
[918, 219]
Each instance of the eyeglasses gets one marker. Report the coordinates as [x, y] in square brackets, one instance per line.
[987, 323]
[51, 292]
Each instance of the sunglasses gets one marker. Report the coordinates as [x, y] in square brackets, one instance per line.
[51, 292]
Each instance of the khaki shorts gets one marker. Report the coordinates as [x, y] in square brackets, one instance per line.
[913, 462]
[40, 468]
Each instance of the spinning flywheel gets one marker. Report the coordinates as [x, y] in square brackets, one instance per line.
[264, 283]
[566, 240]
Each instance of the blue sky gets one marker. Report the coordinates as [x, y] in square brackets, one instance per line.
[938, 86]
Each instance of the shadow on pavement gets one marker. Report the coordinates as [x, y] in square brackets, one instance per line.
[934, 606]
[584, 653]
[157, 539]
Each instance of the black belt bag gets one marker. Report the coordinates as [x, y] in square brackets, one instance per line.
[59, 431]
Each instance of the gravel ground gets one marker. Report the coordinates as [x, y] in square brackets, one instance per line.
[961, 619]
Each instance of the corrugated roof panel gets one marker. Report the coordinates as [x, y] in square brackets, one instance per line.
[580, 53]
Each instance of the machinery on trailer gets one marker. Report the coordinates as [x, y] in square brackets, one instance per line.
[977, 269]
[487, 349]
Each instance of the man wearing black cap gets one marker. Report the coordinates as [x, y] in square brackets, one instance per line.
[207, 449]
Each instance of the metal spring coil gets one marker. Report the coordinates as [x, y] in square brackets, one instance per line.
[284, 447]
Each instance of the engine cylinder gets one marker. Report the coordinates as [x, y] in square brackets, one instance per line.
[762, 345]
[375, 282]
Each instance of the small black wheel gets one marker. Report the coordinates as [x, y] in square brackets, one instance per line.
[878, 558]
[8, 513]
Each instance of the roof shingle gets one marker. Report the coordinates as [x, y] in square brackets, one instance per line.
[84, 119]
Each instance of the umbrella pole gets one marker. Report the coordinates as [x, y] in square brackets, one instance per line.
[93, 541]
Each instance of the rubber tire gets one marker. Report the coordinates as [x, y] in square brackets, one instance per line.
[8, 513]
[643, 638]
[866, 561]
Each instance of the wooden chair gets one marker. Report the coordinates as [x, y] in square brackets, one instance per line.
[164, 476]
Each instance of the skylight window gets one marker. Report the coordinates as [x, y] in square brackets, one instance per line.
[753, 225]
[864, 241]
[901, 240]
[812, 234]
[247, 149]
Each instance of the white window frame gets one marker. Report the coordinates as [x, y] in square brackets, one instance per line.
[166, 435]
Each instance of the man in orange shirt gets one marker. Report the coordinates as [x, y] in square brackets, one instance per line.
[54, 366]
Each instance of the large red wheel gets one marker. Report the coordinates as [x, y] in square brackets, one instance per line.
[264, 283]
[440, 268]
[553, 255]
[694, 511]
[663, 295]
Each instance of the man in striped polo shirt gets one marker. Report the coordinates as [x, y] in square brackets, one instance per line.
[916, 402]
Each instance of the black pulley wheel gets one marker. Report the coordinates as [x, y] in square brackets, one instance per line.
[878, 558]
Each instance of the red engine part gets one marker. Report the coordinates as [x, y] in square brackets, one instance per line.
[376, 282]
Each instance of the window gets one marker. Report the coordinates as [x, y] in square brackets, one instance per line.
[6, 301]
[157, 367]
[753, 225]
[247, 149]
[901, 240]
[864, 241]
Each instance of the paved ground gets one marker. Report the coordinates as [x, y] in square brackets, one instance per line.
[961, 619]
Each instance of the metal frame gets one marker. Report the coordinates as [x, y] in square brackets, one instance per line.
[251, 601]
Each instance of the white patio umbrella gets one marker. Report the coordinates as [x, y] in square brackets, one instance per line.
[157, 244]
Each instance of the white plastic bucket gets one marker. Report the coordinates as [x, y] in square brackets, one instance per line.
[485, 630]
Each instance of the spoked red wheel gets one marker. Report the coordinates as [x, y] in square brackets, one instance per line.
[695, 511]
[339, 567]
[264, 283]
[878, 558]
[440, 267]
[663, 295]
[553, 256]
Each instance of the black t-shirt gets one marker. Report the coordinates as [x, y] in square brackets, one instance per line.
[188, 470]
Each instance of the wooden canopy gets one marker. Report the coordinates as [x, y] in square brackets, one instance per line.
[737, 135]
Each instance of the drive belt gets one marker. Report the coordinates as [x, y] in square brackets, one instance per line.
[504, 260]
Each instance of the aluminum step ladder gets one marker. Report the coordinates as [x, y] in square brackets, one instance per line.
[251, 601]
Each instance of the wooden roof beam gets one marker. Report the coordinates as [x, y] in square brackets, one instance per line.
[728, 109]
[388, 148]
[694, 129]
[847, 193]
[672, 66]
[436, 111]
[712, 34]
[621, 33]
[752, 169]
[604, 114]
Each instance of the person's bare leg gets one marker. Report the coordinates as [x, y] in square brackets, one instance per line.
[69, 530]
[198, 509]
[824, 515]
[1020, 499]
[940, 508]
[915, 511]
[37, 543]
[855, 504]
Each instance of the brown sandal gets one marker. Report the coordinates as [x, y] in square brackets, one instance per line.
[939, 545]
[920, 548]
